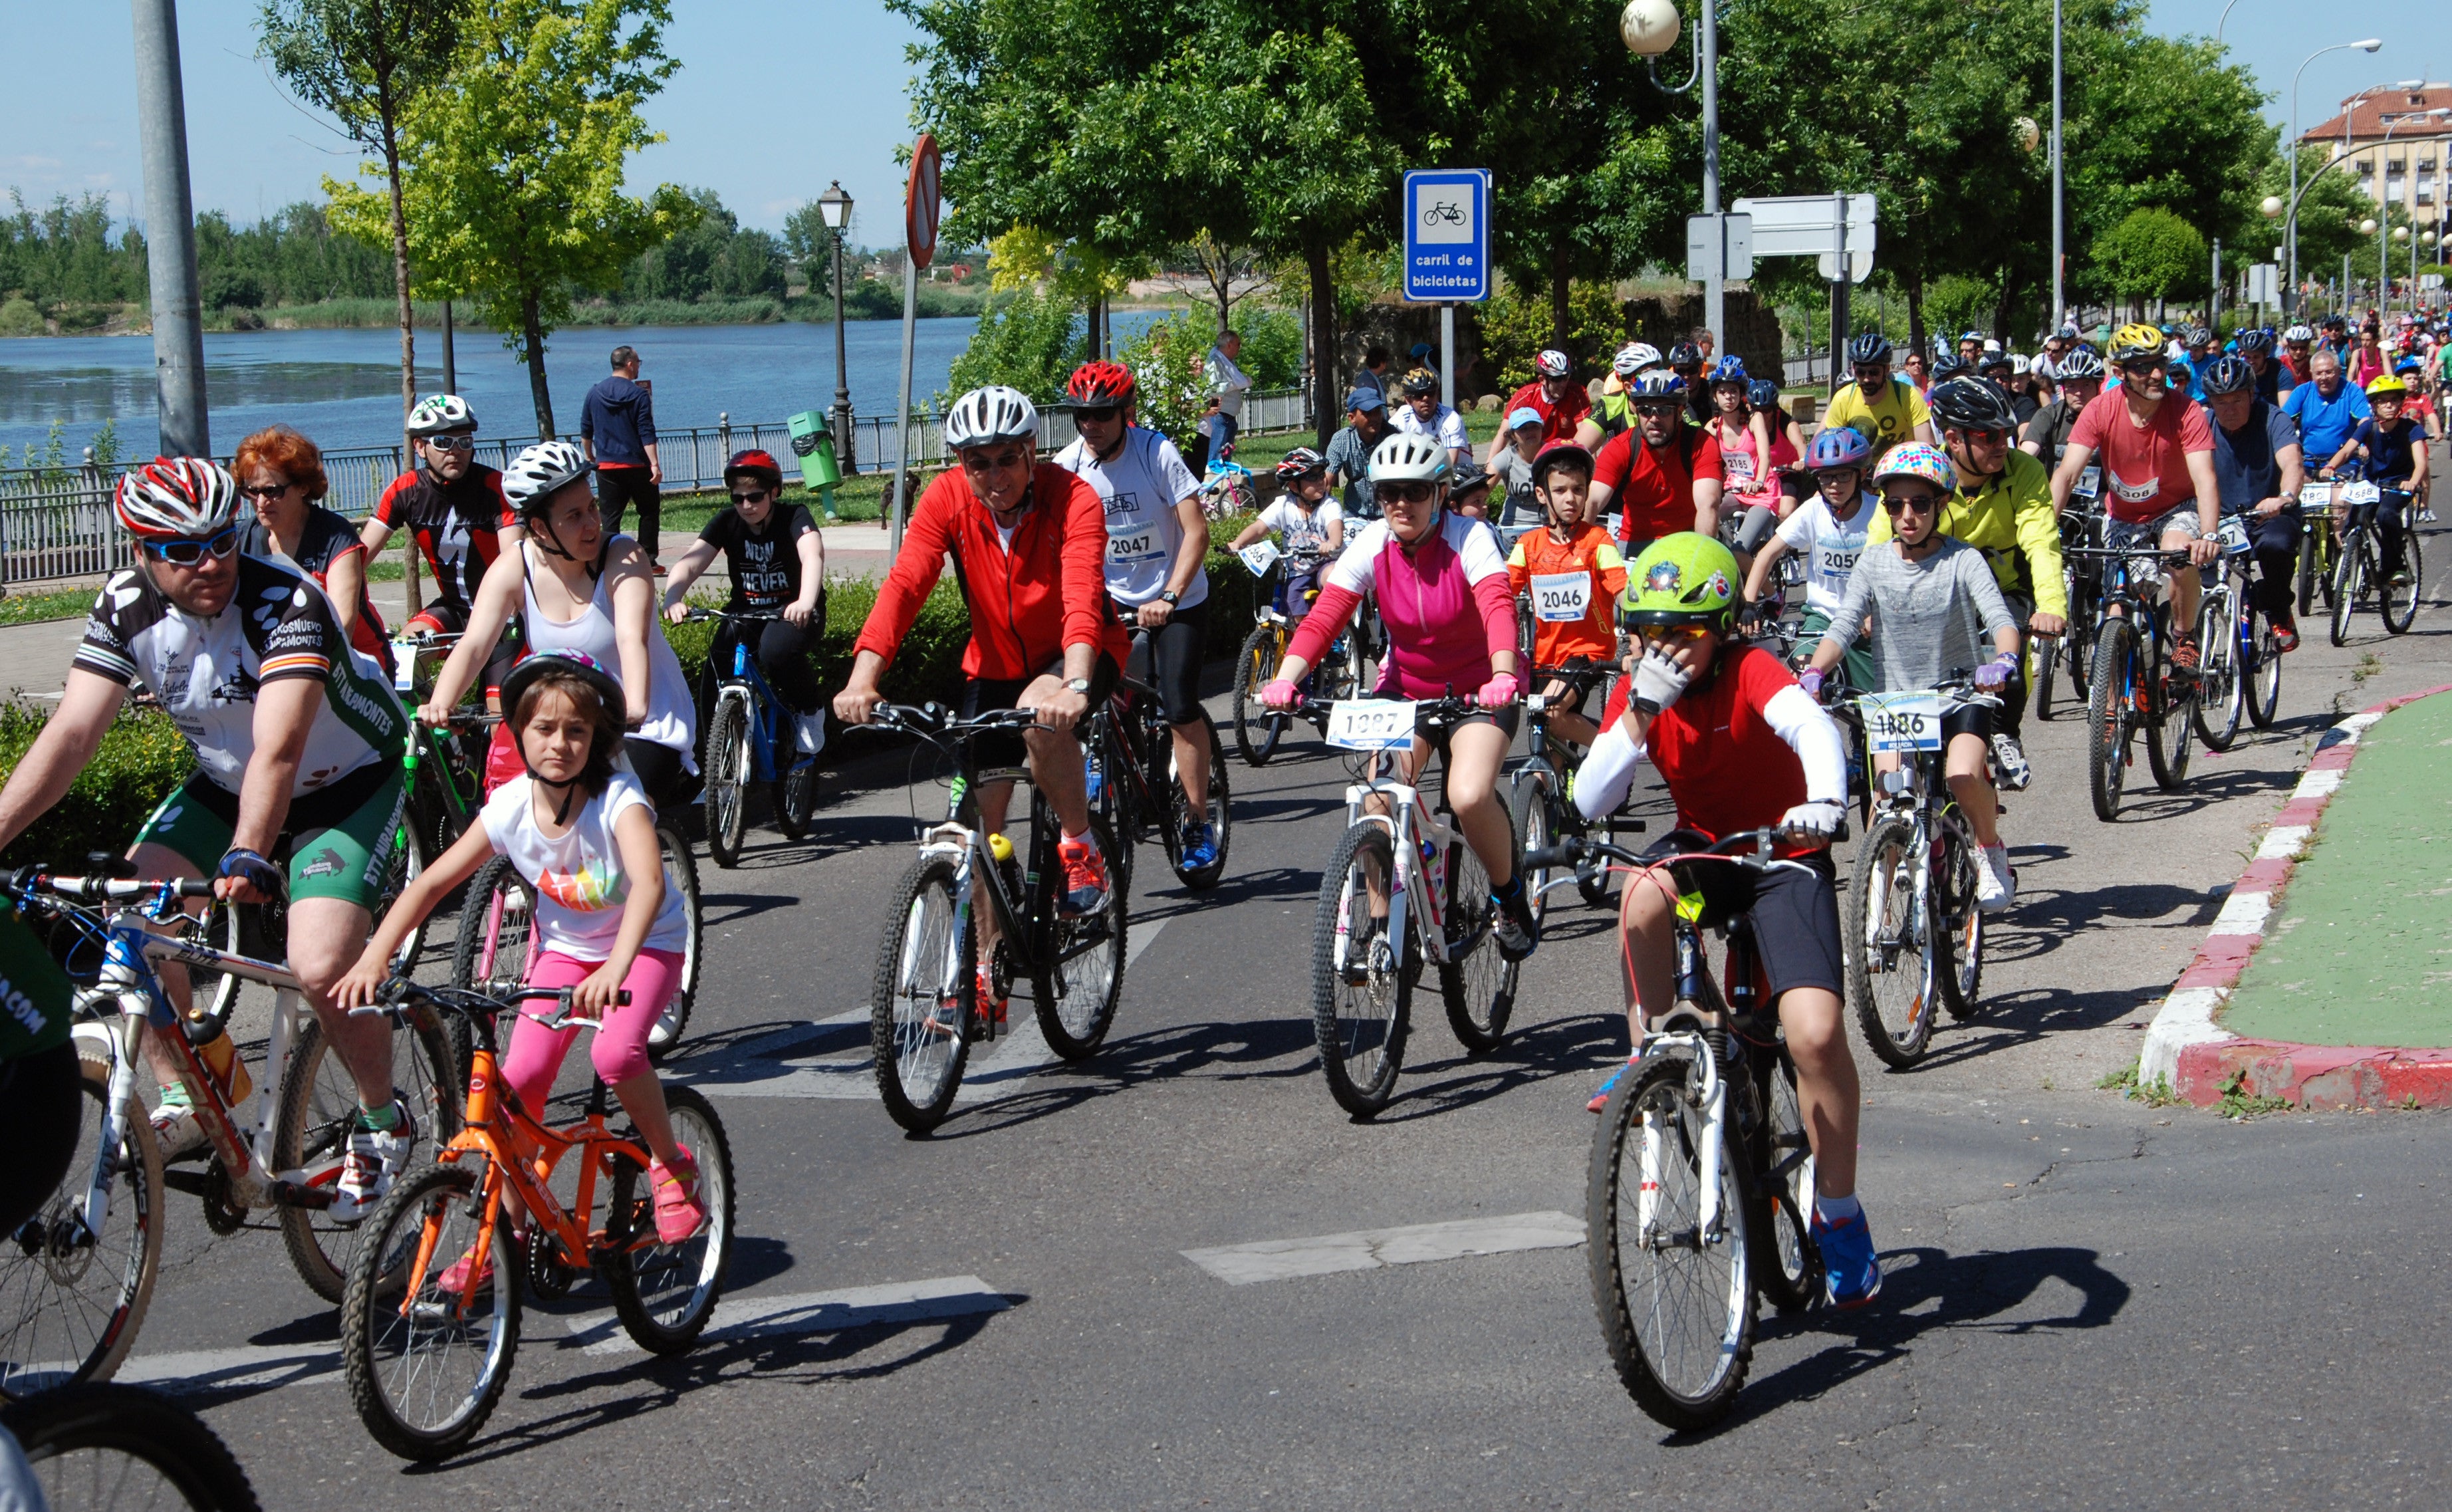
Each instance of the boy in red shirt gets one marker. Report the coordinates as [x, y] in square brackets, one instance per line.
[1575, 574]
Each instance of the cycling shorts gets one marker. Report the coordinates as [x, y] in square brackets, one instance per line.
[339, 838]
[1176, 648]
[1968, 719]
[1796, 913]
[985, 695]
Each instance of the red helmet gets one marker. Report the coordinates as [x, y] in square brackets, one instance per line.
[1099, 383]
[756, 465]
[175, 498]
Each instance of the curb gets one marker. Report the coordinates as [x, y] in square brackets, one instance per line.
[2199, 1059]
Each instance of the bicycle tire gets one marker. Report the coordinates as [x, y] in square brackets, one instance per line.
[1477, 984]
[1256, 730]
[1527, 812]
[727, 778]
[1787, 1263]
[1360, 1052]
[2222, 702]
[313, 1134]
[1219, 814]
[258, 930]
[2305, 588]
[2107, 720]
[1075, 1015]
[497, 940]
[74, 1438]
[2170, 715]
[420, 1213]
[1691, 1380]
[97, 1336]
[636, 1268]
[1889, 953]
[2349, 583]
[2399, 607]
[794, 797]
[681, 867]
[412, 859]
[2043, 657]
[2265, 676]
[1958, 933]
[920, 1056]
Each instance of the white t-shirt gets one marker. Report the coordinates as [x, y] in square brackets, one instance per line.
[1139, 488]
[1830, 546]
[577, 875]
[1445, 424]
[1302, 532]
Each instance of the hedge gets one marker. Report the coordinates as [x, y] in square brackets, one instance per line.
[142, 757]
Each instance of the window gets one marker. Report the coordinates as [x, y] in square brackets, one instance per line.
[2398, 164]
[2425, 193]
[2366, 168]
[2426, 164]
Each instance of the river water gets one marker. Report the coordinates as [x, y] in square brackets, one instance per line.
[342, 388]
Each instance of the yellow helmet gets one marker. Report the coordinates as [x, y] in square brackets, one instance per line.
[2387, 385]
[2130, 343]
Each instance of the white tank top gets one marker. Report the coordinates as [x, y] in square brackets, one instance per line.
[672, 714]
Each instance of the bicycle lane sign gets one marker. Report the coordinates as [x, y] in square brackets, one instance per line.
[1447, 235]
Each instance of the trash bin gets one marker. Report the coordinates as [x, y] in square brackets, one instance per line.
[814, 444]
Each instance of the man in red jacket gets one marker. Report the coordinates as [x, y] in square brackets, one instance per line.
[1029, 542]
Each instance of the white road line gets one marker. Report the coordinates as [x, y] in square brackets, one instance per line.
[255, 1368]
[1370, 1249]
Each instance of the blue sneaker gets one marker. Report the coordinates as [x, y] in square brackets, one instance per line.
[1600, 1099]
[1852, 1269]
[1199, 848]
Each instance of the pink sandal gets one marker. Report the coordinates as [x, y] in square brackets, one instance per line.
[678, 1213]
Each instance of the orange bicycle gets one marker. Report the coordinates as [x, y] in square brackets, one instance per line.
[431, 1321]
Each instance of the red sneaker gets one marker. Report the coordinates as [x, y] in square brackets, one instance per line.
[1085, 877]
[2286, 637]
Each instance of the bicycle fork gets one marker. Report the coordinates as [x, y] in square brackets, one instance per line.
[1712, 1096]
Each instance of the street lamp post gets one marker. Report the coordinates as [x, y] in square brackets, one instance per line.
[2060, 259]
[2290, 233]
[2224, 21]
[834, 207]
[1649, 28]
[2384, 202]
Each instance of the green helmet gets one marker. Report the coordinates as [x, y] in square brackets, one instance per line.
[1682, 579]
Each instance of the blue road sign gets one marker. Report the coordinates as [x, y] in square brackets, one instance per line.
[1447, 235]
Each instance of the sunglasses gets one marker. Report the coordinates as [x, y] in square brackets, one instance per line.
[753, 496]
[1904, 503]
[1101, 413]
[1668, 634]
[2141, 369]
[452, 443]
[1409, 492]
[191, 553]
[266, 490]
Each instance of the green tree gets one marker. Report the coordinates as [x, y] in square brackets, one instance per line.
[1028, 339]
[366, 64]
[810, 245]
[2153, 254]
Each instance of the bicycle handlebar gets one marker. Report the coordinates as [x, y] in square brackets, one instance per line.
[1751, 848]
[103, 888]
[1434, 709]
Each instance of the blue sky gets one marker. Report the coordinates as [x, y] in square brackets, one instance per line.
[816, 95]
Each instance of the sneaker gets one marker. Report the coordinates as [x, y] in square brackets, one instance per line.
[667, 1027]
[1850, 1268]
[177, 1129]
[2015, 771]
[2184, 656]
[2426, 516]
[467, 1276]
[372, 1164]
[809, 733]
[660, 569]
[1600, 1099]
[1518, 933]
[991, 1005]
[1085, 876]
[1199, 847]
[2286, 636]
[678, 1213]
[1995, 885]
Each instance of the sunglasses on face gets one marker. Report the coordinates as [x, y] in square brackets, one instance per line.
[264, 491]
[452, 443]
[1099, 415]
[1409, 492]
[1903, 503]
[190, 553]
[753, 496]
[1672, 634]
[1986, 438]
[2141, 369]
[987, 462]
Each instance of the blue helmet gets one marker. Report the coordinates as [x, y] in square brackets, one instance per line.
[1763, 394]
[1730, 370]
[1837, 447]
[1656, 384]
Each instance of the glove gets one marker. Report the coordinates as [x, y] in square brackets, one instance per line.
[1810, 680]
[1279, 694]
[1658, 682]
[1815, 823]
[248, 867]
[1498, 692]
[1994, 674]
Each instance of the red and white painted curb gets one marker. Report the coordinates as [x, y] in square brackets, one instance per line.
[2200, 1059]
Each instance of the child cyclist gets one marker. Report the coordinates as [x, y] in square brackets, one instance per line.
[581, 832]
[1574, 572]
[2394, 448]
[1933, 598]
[1308, 525]
[1742, 749]
[1831, 529]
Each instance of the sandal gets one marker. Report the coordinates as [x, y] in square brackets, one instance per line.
[457, 1280]
[678, 1213]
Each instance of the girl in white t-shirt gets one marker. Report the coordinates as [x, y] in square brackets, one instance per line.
[1830, 530]
[1308, 525]
[579, 829]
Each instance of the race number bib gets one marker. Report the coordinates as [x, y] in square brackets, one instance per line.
[1561, 598]
[2233, 535]
[2361, 492]
[2316, 496]
[1902, 722]
[404, 666]
[1260, 556]
[1739, 468]
[2089, 481]
[1141, 547]
[1370, 724]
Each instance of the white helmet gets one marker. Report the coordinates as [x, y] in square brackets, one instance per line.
[1551, 362]
[1404, 457]
[540, 471]
[2298, 333]
[1634, 358]
[177, 498]
[986, 417]
[437, 413]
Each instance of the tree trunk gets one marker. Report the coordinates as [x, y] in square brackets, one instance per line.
[1558, 316]
[408, 333]
[1325, 413]
[1912, 277]
[533, 340]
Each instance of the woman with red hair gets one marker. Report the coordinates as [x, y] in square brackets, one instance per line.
[282, 474]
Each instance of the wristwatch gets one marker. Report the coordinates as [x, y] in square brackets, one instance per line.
[1079, 684]
[1171, 598]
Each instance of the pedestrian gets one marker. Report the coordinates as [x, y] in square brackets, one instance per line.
[1348, 451]
[1373, 375]
[617, 425]
[1228, 384]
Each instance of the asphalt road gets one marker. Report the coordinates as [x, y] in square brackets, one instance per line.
[2091, 1301]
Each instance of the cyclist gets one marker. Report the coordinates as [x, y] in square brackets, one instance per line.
[1348, 451]
[2080, 380]
[2002, 369]
[1664, 475]
[1742, 749]
[1423, 415]
[2257, 467]
[454, 508]
[1155, 539]
[1511, 466]
[2296, 343]
[283, 473]
[1887, 411]
[1450, 618]
[294, 734]
[1574, 572]
[2002, 506]
[1309, 526]
[1753, 450]
[583, 834]
[1830, 530]
[2326, 408]
[2157, 472]
[2393, 447]
[1029, 542]
[1686, 362]
[1554, 394]
[2257, 348]
[1615, 415]
[1931, 598]
[1970, 348]
[775, 559]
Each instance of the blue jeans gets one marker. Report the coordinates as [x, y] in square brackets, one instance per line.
[1223, 430]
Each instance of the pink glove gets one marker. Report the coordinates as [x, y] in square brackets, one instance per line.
[1810, 680]
[1279, 694]
[1498, 692]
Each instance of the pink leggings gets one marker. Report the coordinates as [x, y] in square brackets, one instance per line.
[621, 1049]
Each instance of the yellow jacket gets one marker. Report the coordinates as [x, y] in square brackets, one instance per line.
[2011, 521]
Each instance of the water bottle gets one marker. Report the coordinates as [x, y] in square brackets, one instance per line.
[1001, 850]
[1097, 775]
[220, 1056]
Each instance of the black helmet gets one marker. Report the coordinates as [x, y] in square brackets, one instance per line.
[2228, 375]
[1870, 346]
[1973, 404]
[1685, 354]
[2260, 339]
[1946, 366]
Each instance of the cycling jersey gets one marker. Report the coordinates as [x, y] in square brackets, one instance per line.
[1305, 532]
[1559, 420]
[2324, 424]
[2247, 468]
[1445, 426]
[763, 562]
[1031, 592]
[325, 539]
[1573, 585]
[2050, 431]
[1749, 481]
[1932, 618]
[1654, 490]
[1446, 605]
[2145, 467]
[1138, 487]
[278, 625]
[458, 526]
[1885, 421]
[2010, 520]
[1739, 751]
[1831, 545]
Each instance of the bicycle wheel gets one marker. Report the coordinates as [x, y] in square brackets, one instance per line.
[1077, 998]
[70, 1302]
[1958, 924]
[1676, 1302]
[1256, 730]
[1219, 813]
[319, 1104]
[257, 930]
[2222, 698]
[1527, 809]
[2043, 657]
[925, 990]
[1362, 981]
[1477, 985]
[2349, 583]
[664, 1293]
[2306, 583]
[1889, 947]
[424, 1364]
[2170, 708]
[794, 797]
[498, 939]
[2107, 698]
[727, 768]
[2263, 674]
[2399, 601]
[682, 868]
[106, 1446]
[1787, 1264]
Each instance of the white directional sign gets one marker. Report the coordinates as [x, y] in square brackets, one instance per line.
[1814, 226]
[2263, 284]
[1719, 246]
[1447, 235]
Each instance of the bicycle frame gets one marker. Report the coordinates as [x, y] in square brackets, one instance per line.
[1409, 877]
[746, 681]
